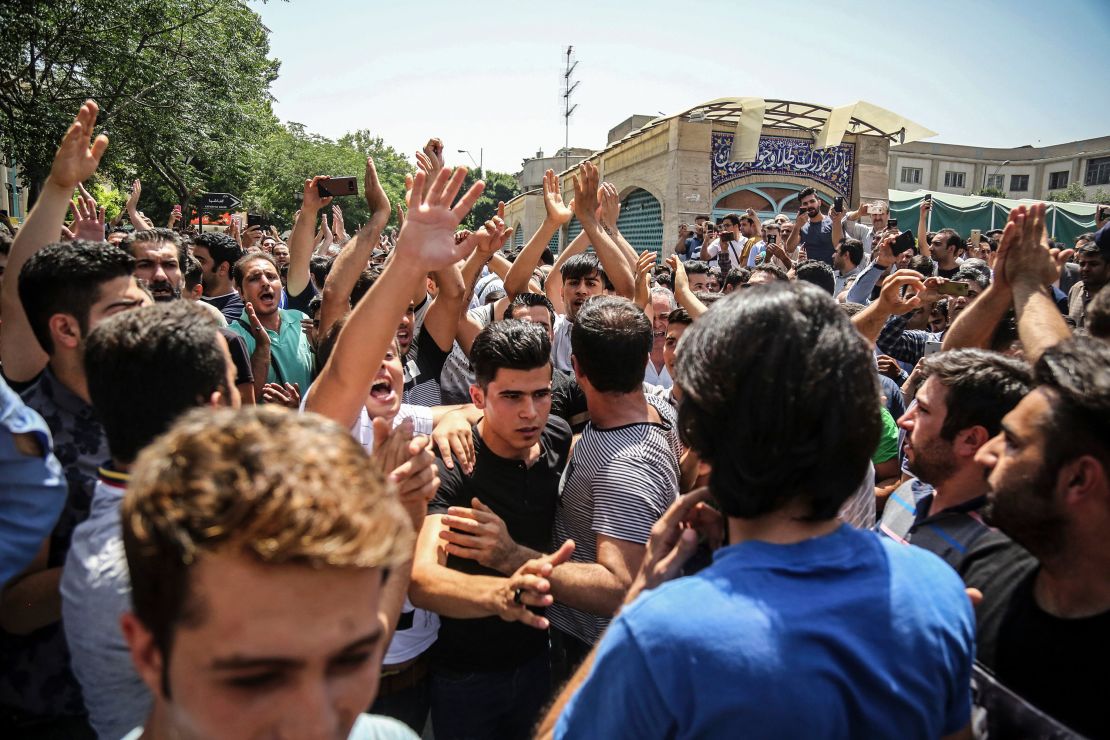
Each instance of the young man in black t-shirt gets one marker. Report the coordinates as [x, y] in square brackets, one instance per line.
[490, 674]
[1045, 613]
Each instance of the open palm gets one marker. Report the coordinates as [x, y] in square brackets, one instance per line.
[557, 212]
[77, 159]
[428, 235]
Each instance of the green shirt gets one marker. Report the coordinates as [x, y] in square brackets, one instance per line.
[888, 442]
[291, 357]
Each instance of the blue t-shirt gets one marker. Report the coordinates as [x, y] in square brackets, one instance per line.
[841, 636]
[817, 239]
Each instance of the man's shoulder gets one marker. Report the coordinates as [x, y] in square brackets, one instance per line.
[557, 433]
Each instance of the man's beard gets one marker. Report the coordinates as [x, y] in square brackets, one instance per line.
[932, 463]
[164, 291]
[1027, 513]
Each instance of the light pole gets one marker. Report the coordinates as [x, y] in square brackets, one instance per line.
[481, 158]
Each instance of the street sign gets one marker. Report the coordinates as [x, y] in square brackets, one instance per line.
[218, 201]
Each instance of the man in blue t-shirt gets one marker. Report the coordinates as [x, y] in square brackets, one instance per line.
[802, 626]
[812, 228]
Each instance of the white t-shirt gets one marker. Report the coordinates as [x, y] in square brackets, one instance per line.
[660, 378]
[560, 345]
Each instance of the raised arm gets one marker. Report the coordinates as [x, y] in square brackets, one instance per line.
[1030, 268]
[682, 292]
[426, 243]
[612, 259]
[977, 323]
[923, 225]
[137, 219]
[516, 281]
[301, 239]
[76, 160]
[335, 300]
[608, 212]
[860, 292]
[870, 321]
[837, 226]
[796, 232]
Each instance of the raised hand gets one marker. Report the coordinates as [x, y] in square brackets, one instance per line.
[557, 213]
[644, 264]
[585, 201]
[1028, 258]
[235, 231]
[491, 237]
[251, 236]
[287, 395]
[261, 336]
[430, 162]
[133, 198]
[376, 199]
[529, 586]
[609, 209]
[428, 235]
[891, 297]
[77, 158]
[337, 222]
[312, 200]
[681, 281]
[477, 533]
[88, 222]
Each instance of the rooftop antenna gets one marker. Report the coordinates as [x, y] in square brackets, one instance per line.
[568, 109]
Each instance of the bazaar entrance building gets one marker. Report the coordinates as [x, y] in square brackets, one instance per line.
[728, 155]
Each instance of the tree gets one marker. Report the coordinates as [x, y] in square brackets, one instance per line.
[499, 187]
[990, 193]
[1074, 193]
[183, 87]
[289, 155]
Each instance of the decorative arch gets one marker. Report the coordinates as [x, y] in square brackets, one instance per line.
[774, 197]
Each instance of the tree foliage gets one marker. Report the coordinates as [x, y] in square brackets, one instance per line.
[183, 88]
[990, 193]
[1073, 193]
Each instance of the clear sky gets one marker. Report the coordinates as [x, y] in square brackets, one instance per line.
[487, 75]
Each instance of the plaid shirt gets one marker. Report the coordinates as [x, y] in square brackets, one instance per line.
[907, 345]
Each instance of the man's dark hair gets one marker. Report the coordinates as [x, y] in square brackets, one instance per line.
[582, 266]
[982, 386]
[512, 345]
[1090, 249]
[319, 267]
[246, 259]
[66, 278]
[679, 316]
[805, 193]
[923, 264]
[529, 300]
[708, 298]
[157, 236]
[192, 272]
[732, 219]
[167, 351]
[818, 273]
[737, 276]
[1074, 373]
[610, 341]
[972, 274]
[1098, 314]
[365, 282]
[952, 240]
[852, 308]
[663, 276]
[696, 267]
[5, 242]
[854, 249]
[778, 272]
[221, 248]
[745, 367]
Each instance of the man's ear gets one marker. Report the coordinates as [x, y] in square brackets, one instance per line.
[478, 396]
[968, 441]
[145, 654]
[1083, 480]
[64, 331]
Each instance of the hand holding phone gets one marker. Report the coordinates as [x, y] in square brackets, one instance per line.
[337, 186]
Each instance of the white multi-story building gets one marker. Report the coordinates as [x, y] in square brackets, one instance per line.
[1022, 172]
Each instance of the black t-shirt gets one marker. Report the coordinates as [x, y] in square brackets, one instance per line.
[300, 301]
[239, 356]
[230, 305]
[568, 402]
[947, 274]
[1057, 665]
[525, 498]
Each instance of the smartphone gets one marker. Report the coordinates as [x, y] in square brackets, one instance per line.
[772, 238]
[838, 204]
[902, 243]
[973, 240]
[892, 223]
[336, 186]
[953, 289]
[255, 219]
[1103, 213]
[928, 197]
[727, 236]
[931, 348]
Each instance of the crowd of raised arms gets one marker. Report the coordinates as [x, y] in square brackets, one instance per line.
[811, 477]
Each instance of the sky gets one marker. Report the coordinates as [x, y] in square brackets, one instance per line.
[486, 77]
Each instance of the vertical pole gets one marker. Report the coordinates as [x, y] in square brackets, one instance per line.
[1054, 210]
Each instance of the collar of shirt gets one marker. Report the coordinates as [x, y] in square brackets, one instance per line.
[921, 515]
[62, 397]
[109, 476]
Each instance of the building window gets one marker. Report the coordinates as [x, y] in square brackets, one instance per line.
[1098, 171]
[1019, 183]
[998, 182]
[911, 175]
[953, 179]
[1057, 180]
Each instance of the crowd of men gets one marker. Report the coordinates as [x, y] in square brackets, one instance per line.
[811, 477]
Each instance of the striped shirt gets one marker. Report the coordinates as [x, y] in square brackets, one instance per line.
[618, 483]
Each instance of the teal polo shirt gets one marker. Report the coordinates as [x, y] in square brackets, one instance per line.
[291, 357]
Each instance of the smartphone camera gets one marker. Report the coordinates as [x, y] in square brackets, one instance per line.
[838, 204]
